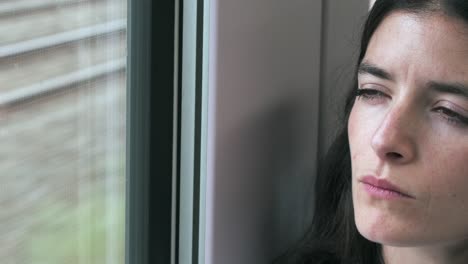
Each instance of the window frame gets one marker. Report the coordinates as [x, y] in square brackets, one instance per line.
[167, 111]
[152, 132]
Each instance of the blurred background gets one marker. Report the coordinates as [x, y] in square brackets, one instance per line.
[274, 73]
[278, 75]
[62, 131]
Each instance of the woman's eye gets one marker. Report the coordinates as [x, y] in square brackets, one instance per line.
[452, 116]
[370, 94]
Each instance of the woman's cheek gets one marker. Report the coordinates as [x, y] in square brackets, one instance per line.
[357, 127]
[352, 124]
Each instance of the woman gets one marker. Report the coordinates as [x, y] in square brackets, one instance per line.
[394, 185]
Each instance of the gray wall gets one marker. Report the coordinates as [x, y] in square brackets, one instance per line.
[340, 46]
[267, 65]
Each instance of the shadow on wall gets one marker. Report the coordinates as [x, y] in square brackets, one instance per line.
[260, 182]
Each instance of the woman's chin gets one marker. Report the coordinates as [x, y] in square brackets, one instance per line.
[384, 238]
[385, 234]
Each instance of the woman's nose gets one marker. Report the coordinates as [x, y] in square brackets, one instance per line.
[395, 138]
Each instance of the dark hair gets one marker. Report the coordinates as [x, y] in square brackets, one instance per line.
[333, 237]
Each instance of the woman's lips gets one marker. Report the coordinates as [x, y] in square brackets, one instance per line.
[382, 189]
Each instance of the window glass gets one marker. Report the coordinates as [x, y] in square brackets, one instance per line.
[62, 131]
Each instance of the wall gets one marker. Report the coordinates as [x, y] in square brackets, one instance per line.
[265, 98]
[341, 32]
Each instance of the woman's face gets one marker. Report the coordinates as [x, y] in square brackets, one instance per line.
[408, 133]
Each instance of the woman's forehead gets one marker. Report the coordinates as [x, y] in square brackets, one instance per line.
[430, 44]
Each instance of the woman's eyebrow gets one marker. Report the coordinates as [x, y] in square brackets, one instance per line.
[369, 68]
[450, 88]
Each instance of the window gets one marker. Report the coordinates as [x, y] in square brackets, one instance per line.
[90, 131]
[62, 131]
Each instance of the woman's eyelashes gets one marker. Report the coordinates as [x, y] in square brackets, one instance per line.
[451, 116]
[371, 95]
[374, 96]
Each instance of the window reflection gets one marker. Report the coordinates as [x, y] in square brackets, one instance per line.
[62, 131]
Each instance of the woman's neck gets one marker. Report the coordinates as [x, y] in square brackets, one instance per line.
[453, 254]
